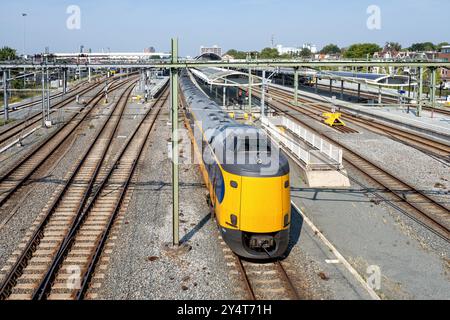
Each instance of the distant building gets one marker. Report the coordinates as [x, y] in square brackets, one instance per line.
[444, 54]
[311, 47]
[295, 50]
[331, 56]
[287, 50]
[214, 49]
[227, 57]
[387, 53]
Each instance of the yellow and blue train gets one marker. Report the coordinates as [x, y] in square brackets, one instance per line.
[246, 175]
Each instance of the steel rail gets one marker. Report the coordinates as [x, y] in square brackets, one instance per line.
[41, 147]
[38, 234]
[410, 138]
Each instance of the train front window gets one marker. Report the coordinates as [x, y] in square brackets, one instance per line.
[253, 145]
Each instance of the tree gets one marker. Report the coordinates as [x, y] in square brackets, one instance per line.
[269, 53]
[361, 50]
[442, 44]
[393, 46]
[7, 53]
[305, 53]
[237, 54]
[422, 46]
[330, 49]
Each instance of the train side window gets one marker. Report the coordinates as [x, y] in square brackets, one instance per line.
[219, 184]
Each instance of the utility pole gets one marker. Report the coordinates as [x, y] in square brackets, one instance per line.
[250, 82]
[5, 94]
[24, 15]
[65, 80]
[419, 95]
[225, 95]
[263, 94]
[296, 86]
[43, 97]
[433, 90]
[89, 71]
[48, 96]
[175, 175]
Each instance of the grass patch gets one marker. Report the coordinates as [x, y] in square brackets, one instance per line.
[3, 122]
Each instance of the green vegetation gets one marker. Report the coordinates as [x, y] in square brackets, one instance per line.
[424, 46]
[7, 53]
[237, 54]
[306, 53]
[361, 50]
[269, 53]
[427, 46]
[440, 45]
[3, 122]
[355, 51]
[266, 53]
[330, 49]
[393, 46]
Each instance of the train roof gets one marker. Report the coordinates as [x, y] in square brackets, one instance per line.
[252, 152]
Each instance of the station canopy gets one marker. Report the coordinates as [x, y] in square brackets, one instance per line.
[223, 77]
[369, 78]
[375, 79]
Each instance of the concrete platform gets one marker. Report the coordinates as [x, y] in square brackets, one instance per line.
[320, 162]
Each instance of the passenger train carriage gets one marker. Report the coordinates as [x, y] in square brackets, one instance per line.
[247, 177]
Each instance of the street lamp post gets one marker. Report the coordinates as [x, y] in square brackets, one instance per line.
[24, 15]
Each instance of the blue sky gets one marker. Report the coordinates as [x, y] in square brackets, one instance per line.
[127, 25]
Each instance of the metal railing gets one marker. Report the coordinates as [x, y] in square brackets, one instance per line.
[312, 150]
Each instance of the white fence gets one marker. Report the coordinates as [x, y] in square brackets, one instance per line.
[314, 151]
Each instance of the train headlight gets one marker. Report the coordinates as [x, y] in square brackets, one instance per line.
[286, 220]
[234, 220]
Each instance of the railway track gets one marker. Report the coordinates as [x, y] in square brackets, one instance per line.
[266, 281]
[417, 203]
[412, 139]
[25, 105]
[20, 128]
[286, 101]
[24, 169]
[374, 96]
[73, 230]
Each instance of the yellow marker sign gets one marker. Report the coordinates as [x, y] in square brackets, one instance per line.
[333, 119]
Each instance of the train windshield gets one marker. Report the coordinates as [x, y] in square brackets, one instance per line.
[250, 144]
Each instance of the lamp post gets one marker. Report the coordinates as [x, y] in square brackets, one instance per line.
[24, 15]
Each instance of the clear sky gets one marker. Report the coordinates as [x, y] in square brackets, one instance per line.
[132, 25]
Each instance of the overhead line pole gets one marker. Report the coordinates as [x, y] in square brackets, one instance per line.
[5, 94]
[296, 86]
[175, 174]
[43, 97]
[419, 95]
[250, 82]
[433, 90]
[263, 94]
[48, 95]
